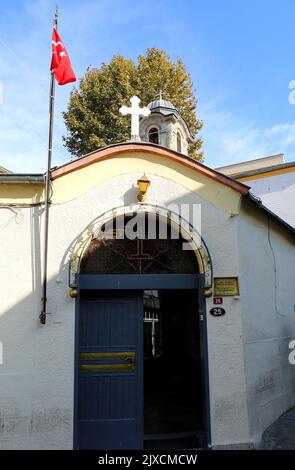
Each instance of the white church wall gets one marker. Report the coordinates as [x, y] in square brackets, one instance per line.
[267, 273]
[35, 380]
[277, 192]
[37, 377]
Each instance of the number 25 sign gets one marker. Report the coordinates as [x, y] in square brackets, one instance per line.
[217, 311]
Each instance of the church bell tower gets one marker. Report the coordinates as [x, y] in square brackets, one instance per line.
[165, 126]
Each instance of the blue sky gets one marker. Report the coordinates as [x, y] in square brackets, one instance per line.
[241, 55]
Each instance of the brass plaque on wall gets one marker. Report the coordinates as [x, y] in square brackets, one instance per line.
[225, 286]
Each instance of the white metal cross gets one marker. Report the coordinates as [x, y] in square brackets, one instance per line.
[135, 112]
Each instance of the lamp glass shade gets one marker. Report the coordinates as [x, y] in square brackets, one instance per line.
[143, 184]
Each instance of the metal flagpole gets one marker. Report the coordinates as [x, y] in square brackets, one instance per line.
[47, 190]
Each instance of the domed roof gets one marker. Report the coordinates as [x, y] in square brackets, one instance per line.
[160, 103]
[164, 107]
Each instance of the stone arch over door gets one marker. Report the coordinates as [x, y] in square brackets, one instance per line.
[189, 235]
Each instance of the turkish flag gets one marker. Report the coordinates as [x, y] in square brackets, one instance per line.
[60, 62]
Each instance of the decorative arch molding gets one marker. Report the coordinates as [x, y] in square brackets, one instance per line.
[181, 132]
[188, 232]
[151, 125]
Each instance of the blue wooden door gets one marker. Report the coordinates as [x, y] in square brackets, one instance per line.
[110, 389]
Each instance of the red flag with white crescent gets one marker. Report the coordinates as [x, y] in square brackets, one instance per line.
[60, 62]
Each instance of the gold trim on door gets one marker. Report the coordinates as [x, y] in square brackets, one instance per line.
[106, 367]
[87, 356]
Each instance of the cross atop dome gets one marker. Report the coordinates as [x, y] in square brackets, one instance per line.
[135, 112]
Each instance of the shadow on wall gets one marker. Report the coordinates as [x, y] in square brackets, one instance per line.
[130, 196]
[36, 377]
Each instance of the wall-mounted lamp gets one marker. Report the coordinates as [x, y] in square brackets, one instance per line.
[143, 183]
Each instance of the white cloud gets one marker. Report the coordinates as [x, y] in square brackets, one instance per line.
[227, 139]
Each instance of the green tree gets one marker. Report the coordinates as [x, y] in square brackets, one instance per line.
[93, 119]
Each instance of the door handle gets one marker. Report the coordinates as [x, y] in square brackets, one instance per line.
[130, 360]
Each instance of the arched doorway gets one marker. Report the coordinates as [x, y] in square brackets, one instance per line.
[141, 342]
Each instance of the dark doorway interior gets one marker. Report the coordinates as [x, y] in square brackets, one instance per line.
[172, 370]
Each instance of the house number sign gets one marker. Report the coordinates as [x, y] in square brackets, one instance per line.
[217, 311]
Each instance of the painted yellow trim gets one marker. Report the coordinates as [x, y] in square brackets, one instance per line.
[77, 183]
[267, 174]
[23, 193]
[128, 148]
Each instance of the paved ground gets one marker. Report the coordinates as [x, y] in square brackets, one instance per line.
[280, 434]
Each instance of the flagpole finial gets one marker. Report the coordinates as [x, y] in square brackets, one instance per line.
[55, 17]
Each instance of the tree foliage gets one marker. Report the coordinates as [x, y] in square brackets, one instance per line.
[93, 119]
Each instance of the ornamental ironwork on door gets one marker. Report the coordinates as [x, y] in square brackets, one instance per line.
[111, 252]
